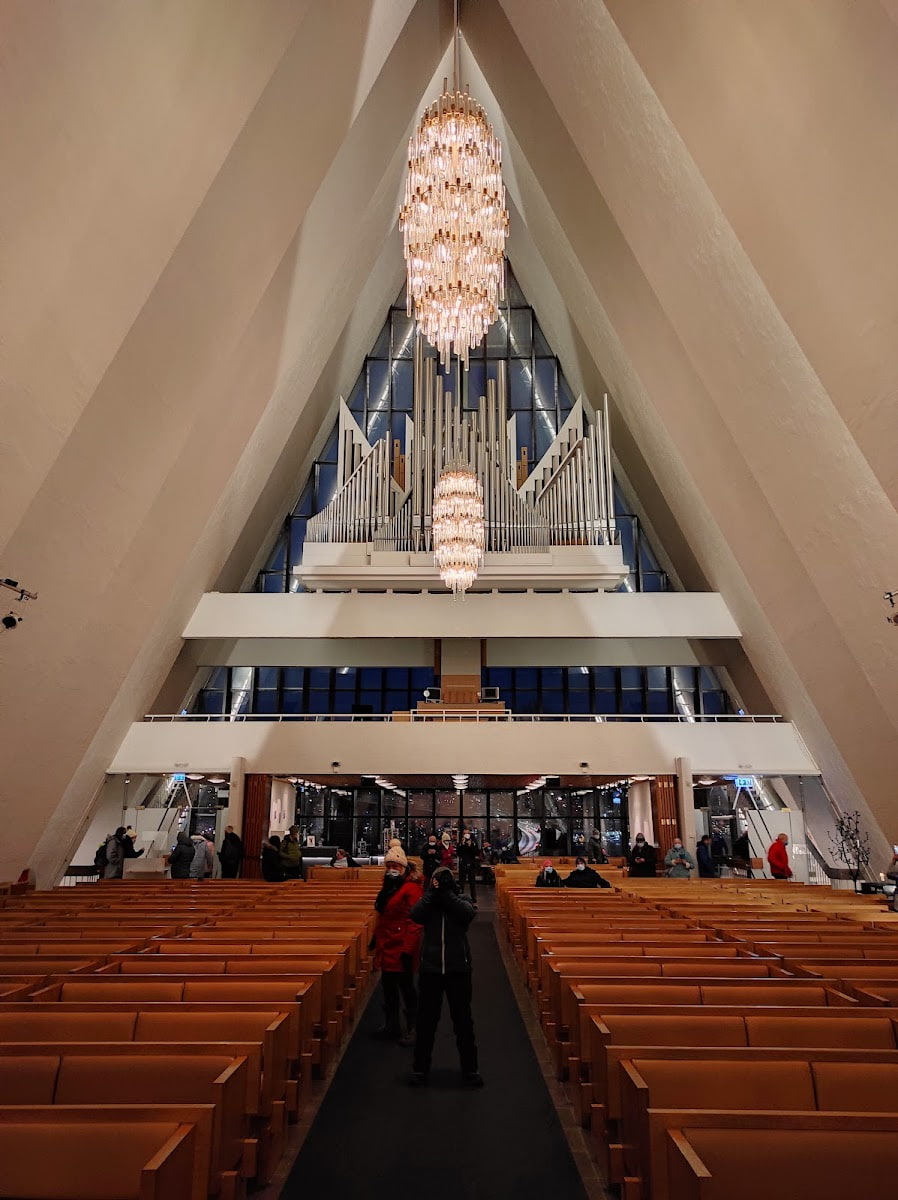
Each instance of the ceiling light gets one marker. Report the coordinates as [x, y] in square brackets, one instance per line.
[460, 782]
[454, 221]
[193, 775]
[707, 782]
[458, 527]
[217, 779]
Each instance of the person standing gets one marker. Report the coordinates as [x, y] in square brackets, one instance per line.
[595, 851]
[447, 852]
[583, 876]
[643, 859]
[181, 857]
[291, 854]
[231, 853]
[128, 844]
[115, 854]
[468, 858]
[397, 942]
[203, 857]
[742, 854]
[707, 868]
[445, 970]
[778, 857]
[678, 861]
[272, 863]
[548, 876]
[431, 856]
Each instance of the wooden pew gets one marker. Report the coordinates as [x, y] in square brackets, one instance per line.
[738, 1157]
[105, 1151]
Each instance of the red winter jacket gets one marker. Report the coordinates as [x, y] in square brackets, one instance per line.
[395, 934]
[778, 858]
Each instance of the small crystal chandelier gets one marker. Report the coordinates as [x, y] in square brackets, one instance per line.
[454, 221]
[458, 528]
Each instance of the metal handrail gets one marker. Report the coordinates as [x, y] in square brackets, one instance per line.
[472, 714]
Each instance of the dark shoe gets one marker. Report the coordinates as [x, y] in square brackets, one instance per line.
[417, 1079]
[472, 1080]
[386, 1035]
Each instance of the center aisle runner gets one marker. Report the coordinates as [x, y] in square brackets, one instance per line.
[374, 1135]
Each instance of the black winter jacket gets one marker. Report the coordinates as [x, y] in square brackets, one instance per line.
[587, 878]
[432, 856]
[445, 916]
[544, 879]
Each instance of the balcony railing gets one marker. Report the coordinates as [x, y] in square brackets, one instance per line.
[472, 714]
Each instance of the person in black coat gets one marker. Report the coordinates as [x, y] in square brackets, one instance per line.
[445, 970]
[643, 859]
[128, 850]
[181, 857]
[584, 876]
[231, 853]
[548, 876]
[707, 868]
[272, 864]
[431, 854]
[468, 859]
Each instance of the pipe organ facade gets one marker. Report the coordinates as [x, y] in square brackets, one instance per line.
[546, 529]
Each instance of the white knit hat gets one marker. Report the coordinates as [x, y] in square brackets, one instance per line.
[396, 854]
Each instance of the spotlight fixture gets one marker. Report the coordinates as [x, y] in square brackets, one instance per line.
[460, 782]
[11, 621]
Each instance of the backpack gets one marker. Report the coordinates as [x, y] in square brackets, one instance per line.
[100, 861]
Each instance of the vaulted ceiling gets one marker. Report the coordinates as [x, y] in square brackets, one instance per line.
[198, 231]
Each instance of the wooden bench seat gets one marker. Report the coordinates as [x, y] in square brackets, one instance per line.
[763, 1086]
[826, 1156]
[105, 1151]
[787, 1033]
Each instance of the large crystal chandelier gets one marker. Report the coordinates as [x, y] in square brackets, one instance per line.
[454, 222]
[458, 529]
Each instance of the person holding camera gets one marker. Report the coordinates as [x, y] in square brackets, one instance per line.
[678, 861]
[445, 970]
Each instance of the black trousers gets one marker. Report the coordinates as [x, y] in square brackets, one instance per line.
[230, 870]
[467, 873]
[457, 987]
[396, 984]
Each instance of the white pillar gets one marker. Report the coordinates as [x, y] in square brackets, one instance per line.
[639, 811]
[685, 806]
[235, 795]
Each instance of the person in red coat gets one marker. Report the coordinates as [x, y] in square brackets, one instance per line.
[778, 857]
[397, 945]
[447, 850]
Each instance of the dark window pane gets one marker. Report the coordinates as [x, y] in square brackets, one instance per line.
[578, 679]
[553, 702]
[211, 701]
[266, 702]
[631, 677]
[292, 701]
[476, 384]
[319, 701]
[551, 677]
[606, 703]
[403, 334]
[578, 702]
[373, 700]
[319, 677]
[526, 702]
[304, 504]
[712, 704]
[656, 678]
[396, 702]
[344, 679]
[525, 677]
[632, 702]
[520, 332]
[267, 677]
[293, 677]
[329, 453]
[325, 484]
[371, 677]
[297, 537]
[422, 677]
[396, 677]
[343, 702]
[605, 677]
[657, 702]
[497, 338]
[520, 384]
[403, 385]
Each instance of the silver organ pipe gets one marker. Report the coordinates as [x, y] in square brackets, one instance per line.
[568, 499]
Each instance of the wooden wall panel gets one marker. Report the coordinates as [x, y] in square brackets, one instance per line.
[256, 806]
[664, 813]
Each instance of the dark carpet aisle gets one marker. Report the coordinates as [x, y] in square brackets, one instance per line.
[374, 1135]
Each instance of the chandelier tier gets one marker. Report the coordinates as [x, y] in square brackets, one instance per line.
[454, 222]
[458, 528]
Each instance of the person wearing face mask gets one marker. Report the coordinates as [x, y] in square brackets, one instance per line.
[447, 850]
[468, 858]
[584, 876]
[678, 861]
[643, 859]
[431, 855]
[397, 942]
[595, 851]
[548, 876]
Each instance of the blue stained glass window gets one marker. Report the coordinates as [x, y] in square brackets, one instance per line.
[520, 384]
[403, 386]
[325, 484]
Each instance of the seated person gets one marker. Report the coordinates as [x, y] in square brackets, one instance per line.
[583, 876]
[342, 859]
[548, 876]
